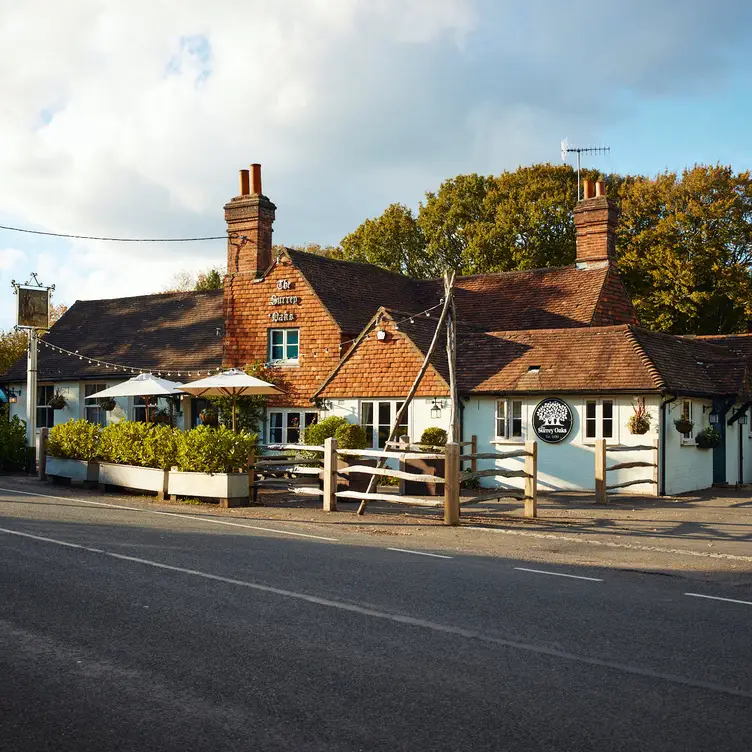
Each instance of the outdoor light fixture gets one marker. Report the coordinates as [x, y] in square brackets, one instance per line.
[436, 408]
[381, 334]
[713, 418]
[12, 396]
[743, 420]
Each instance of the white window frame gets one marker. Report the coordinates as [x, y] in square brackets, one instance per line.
[373, 426]
[504, 417]
[41, 390]
[687, 410]
[285, 345]
[284, 412]
[599, 421]
[92, 406]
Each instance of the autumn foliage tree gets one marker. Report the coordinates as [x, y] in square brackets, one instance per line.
[684, 241]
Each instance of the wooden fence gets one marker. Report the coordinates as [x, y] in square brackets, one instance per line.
[293, 467]
[602, 469]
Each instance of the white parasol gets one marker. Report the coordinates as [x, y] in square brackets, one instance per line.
[233, 383]
[144, 385]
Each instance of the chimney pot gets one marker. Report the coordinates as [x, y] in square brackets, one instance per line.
[587, 189]
[600, 188]
[244, 183]
[256, 180]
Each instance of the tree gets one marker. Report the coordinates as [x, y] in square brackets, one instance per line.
[12, 347]
[393, 241]
[185, 281]
[685, 249]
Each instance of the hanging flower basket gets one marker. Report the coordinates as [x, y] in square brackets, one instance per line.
[639, 421]
[108, 404]
[708, 438]
[683, 425]
[58, 402]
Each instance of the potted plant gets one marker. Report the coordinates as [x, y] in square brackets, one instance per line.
[639, 421]
[72, 450]
[137, 455]
[58, 401]
[108, 404]
[708, 438]
[683, 424]
[213, 463]
[433, 439]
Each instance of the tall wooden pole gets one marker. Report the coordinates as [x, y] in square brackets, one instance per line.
[448, 285]
[453, 434]
[31, 396]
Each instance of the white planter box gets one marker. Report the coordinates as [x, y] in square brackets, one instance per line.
[72, 469]
[230, 488]
[131, 476]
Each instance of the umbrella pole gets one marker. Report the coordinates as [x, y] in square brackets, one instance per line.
[146, 409]
[234, 400]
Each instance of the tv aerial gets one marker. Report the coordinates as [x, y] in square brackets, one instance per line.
[579, 150]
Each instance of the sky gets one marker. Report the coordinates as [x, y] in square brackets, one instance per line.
[132, 119]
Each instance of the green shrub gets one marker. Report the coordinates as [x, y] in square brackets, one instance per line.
[74, 440]
[214, 450]
[145, 445]
[316, 434]
[434, 436]
[708, 438]
[12, 442]
[351, 436]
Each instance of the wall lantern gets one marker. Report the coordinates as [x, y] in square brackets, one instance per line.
[381, 334]
[12, 396]
[713, 418]
[436, 408]
[743, 420]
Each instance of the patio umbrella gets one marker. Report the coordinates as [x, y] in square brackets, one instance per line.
[144, 385]
[233, 383]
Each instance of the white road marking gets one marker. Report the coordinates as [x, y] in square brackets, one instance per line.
[171, 514]
[610, 544]
[559, 574]
[412, 621]
[717, 598]
[419, 553]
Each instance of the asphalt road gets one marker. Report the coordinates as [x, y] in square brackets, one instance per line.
[131, 630]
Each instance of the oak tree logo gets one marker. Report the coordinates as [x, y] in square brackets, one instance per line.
[552, 420]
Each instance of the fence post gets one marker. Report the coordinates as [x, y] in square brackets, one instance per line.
[452, 484]
[656, 460]
[330, 475]
[531, 479]
[600, 471]
[474, 450]
[42, 461]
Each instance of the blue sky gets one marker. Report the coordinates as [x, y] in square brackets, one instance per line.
[132, 119]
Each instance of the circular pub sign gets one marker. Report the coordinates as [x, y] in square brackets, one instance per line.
[552, 420]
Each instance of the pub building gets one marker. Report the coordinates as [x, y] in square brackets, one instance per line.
[552, 354]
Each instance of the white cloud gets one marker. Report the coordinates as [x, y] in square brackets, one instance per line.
[133, 118]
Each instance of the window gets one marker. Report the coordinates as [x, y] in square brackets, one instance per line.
[599, 419]
[92, 411]
[139, 409]
[285, 425]
[508, 419]
[377, 418]
[45, 414]
[687, 415]
[284, 345]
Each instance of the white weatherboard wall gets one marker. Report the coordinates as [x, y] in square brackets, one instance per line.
[569, 465]
[418, 419]
[687, 467]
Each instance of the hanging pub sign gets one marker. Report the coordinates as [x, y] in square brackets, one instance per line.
[33, 309]
[552, 420]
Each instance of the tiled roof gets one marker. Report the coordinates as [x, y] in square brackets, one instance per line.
[165, 332]
[698, 366]
[352, 292]
[554, 360]
[554, 298]
[561, 297]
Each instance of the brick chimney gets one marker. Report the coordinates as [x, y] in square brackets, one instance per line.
[249, 218]
[595, 219]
